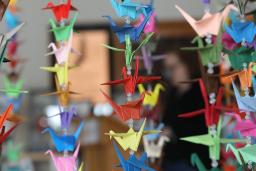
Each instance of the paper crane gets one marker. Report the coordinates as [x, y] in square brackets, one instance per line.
[64, 142]
[61, 11]
[65, 163]
[151, 99]
[133, 32]
[131, 139]
[13, 151]
[133, 164]
[209, 53]
[148, 60]
[245, 103]
[151, 24]
[66, 117]
[62, 93]
[130, 9]
[195, 161]
[12, 47]
[61, 71]
[247, 152]
[211, 111]
[130, 81]
[212, 140]
[62, 33]
[3, 6]
[246, 127]
[239, 57]
[209, 23]
[4, 135]
[13, 89]
[130, 110]
[154, 149]
[129, 54]
[6, 37]
[154, 137]
[11, 20]
[62, 53]
[241, 31]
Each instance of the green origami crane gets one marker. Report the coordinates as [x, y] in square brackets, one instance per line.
[247, 153]
[196, 161]
[13, 90]
[240, 56]
[213, 141]
[62, 33]
[209, 53]
[129, 54]
[13, 152]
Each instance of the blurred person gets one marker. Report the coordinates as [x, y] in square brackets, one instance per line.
[181, 98]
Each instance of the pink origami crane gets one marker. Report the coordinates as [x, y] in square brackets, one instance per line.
[209, 23]
[151, 24]
[246, 127]
[65, 163]
[62, 53]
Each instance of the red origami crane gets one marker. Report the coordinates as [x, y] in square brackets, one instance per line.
[211, 111]
[130, 110]
[130, 81]
[61, 11]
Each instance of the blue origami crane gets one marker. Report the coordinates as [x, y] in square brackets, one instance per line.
[64, 142]
[130, 9]
[132, 31]
[11, 20]
[132, 164]
[245, 103]
[241, 31]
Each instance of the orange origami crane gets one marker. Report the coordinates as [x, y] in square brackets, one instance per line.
[130, 110]
[130, 81]
[209, 23]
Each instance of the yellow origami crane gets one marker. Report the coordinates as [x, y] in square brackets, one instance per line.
[81, 167]
[131, 139]
[61, 72]
[151, 99]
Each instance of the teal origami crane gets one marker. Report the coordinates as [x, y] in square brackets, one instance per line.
[239, 57]
[196, 161]
[212, 140]
[209, 53]
[62, 33]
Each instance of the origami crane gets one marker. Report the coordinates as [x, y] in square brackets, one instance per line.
[64, 142]
[130, 81]
[241, 31]
[61, 71]
[154, 149]
[154, 137]
[209, 23]
[195, 161]
[151, 24]
[148, 60]
[6, 37]
[4, 135]
[151, 99]
[212, 140]
[12, 47]
[209, 53]
[129, 54]
[133, 164]
[131, 139]
[246, 127]
[239, 57]
[247, 152]
[211, 111]
[3, 6]
[130, 9]
[130, 110]
[65, 163]
[13, 151]
[13, 89]
[66, 117]
[245, 103]
[61, 11]
[63, 93]
[62, 53]
[11, 20]
[62, 33]
[133, 32]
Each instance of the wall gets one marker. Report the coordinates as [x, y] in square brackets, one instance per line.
[35, 34]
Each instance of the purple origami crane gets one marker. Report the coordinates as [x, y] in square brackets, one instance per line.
[66, 117]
